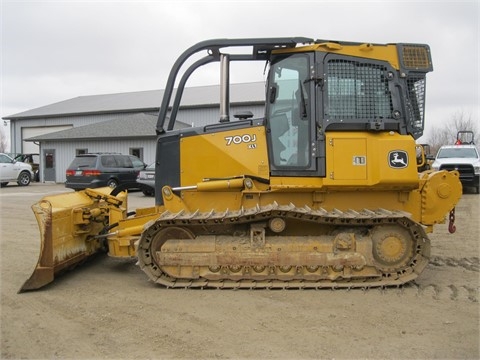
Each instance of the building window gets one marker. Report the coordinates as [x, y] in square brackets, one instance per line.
[81, 151]
[138, 152]
[49, 160]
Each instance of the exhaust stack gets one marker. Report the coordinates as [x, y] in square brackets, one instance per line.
[224, 88]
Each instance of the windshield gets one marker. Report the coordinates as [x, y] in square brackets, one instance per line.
[5, 159]
[457, 153]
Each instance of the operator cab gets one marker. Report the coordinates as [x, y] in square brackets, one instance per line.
[310, 93]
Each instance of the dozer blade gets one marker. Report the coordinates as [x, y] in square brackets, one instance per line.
[67, 223]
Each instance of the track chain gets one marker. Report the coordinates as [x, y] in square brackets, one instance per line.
[365, 217]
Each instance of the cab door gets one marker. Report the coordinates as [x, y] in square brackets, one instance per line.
[290, 116]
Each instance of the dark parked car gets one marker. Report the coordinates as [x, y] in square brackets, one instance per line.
[104, 169]
[147, 178]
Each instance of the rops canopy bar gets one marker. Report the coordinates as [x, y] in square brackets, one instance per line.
[261, 51]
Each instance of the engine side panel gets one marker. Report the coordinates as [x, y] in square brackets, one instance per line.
[224, 152]
[376, 160]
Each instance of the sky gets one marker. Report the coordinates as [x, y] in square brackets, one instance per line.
[57, 50]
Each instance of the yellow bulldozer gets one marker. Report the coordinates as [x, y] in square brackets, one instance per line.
[321, 192]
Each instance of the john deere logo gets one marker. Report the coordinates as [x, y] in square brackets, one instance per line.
[398, 159]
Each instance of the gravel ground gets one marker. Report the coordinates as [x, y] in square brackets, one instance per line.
[107, 308]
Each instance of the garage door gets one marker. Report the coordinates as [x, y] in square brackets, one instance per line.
[29, 132]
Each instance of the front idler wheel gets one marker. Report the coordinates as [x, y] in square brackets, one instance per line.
[152, 241]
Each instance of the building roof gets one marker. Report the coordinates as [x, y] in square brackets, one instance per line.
[138, 125]
[144, 101]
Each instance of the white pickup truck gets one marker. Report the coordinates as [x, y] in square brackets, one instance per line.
[463, 157]
[14, 171]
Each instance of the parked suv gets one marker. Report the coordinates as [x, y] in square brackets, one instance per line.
[14, 171]
[463, 157]
[103, 169]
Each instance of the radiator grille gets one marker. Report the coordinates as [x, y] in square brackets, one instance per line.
[415, 57]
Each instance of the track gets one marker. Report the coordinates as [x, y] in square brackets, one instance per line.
[350, 269]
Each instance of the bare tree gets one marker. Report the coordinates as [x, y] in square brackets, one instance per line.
[3, 140]
[447, 133]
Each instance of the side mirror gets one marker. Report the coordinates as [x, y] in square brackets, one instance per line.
[273, 94]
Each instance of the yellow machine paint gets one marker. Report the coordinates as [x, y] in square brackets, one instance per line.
[352, 159]
[378, 52]
[322, 192]
[362, 160]
[66, 222]
[224, 154]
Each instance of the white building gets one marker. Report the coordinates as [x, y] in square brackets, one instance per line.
[123, 123]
